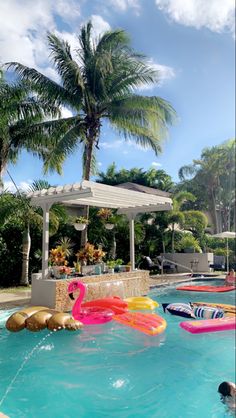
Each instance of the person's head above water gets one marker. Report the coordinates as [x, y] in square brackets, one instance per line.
[227, 389]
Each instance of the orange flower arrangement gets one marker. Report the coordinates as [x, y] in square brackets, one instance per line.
[90, 254]
[64, 270]
[57, 257]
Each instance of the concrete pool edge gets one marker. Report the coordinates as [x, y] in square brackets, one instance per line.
[14, 300]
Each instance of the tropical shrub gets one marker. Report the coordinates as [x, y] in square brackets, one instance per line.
[90, 255]
[188, 241]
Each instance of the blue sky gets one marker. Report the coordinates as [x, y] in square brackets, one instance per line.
[191, 42]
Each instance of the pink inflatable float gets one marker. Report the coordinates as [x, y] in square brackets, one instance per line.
[89, 315]
[209, 325]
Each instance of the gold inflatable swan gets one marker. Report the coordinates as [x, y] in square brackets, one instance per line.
[37, 318]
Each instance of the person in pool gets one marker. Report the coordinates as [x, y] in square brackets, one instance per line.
[228, 394]
[230, 279]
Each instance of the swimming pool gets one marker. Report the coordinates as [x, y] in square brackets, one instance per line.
[114, 371]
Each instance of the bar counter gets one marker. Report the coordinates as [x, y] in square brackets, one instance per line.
[53, 293]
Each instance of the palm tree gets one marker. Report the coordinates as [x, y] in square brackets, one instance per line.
[16, 209]
[99, 83]
[19, 109]
[214, 175]
[176, 216]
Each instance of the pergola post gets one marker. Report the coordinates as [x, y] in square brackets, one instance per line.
[131, 218]
[45, 245]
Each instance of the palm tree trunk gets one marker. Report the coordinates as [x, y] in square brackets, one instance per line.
[87, 169]
[163, 244]
[25, 262]
[173, 239]
[214, 211]
[113, 247]
[93, 132]
[2, 170]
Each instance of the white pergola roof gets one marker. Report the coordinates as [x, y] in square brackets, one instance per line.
[100, 195]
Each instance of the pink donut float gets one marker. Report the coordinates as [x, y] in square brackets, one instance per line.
[89, 315]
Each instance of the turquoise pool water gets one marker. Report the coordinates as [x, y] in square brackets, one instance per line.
[114, 371]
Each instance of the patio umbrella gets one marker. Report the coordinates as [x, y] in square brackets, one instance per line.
[226, 235]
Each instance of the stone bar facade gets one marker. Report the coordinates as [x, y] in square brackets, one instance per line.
[53, 293]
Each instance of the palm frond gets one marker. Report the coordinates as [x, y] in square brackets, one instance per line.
[186, 171]
[68, 69]
[85, 51]
[38, 185]
[43, 85]
[142, 118]
[113, 40]
[64, 146]
[139, 134]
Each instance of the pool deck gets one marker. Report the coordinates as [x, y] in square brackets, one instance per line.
[20, 298]
[10, 300]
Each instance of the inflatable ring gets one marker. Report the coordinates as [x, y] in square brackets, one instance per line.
[141, 303]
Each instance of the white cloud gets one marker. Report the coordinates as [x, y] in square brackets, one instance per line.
[22, 186]
[68, 10]
[99, 164]
[119, 143]
[113, 144]
[164, 73]
[23, 28]
[99, 25]
[155, 164]
[124, 5]
[216, 15]
[71, 38]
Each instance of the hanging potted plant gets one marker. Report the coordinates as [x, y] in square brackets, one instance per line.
[80, 223]
[107, 217]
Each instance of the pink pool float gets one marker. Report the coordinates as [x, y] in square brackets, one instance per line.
[209, 325]
[87, 315]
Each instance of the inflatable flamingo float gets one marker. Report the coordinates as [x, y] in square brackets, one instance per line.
[98, 311]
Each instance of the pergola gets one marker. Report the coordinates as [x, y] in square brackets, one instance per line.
[88, 193]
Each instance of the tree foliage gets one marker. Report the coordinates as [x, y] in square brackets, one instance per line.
[16, 213]
[97, 82]
[151, 178]
[212, 178]
[19, 110]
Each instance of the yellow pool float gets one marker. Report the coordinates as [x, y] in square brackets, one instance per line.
[141, 303]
